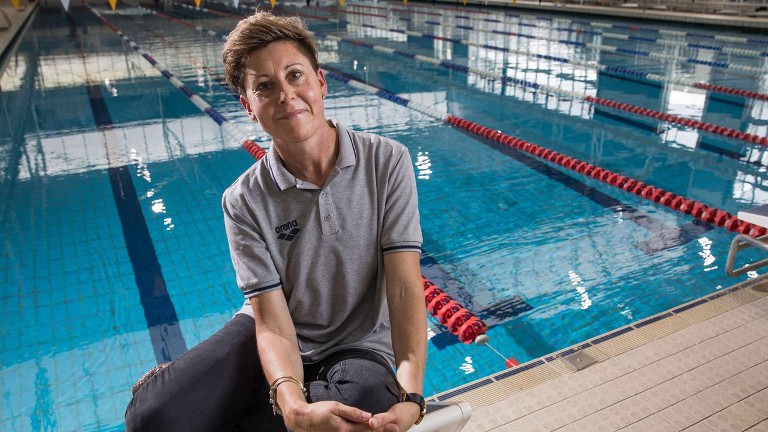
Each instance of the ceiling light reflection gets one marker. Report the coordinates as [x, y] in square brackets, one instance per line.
[584, 301]
[423, 164]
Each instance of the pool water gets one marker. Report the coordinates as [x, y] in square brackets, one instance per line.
[114, 250]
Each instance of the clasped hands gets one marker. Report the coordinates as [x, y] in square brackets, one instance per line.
[336, 417]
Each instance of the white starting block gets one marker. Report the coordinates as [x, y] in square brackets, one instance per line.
[444, 417]
[759, 217]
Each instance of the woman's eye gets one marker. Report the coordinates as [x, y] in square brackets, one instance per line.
[296, 75]
[263, 86]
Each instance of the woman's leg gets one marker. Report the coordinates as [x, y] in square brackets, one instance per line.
[354, 379]
[208, 388]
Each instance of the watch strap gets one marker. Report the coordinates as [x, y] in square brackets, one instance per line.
[418, 400]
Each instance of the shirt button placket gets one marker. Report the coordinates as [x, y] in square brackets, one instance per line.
[326, 210]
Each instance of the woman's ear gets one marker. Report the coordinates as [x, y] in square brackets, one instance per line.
[323, 83]
[244, 102]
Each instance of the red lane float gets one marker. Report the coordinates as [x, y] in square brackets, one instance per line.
[731, 91]
[683, 121]
[678, 203]
[254, 149]
[455, 317]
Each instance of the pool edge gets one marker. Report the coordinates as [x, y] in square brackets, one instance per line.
[501, 385]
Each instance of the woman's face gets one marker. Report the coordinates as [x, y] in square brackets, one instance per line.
[284, 93]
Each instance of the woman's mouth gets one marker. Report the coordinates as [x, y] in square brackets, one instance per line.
[293, 114]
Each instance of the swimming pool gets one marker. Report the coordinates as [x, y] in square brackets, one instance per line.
[112, 182]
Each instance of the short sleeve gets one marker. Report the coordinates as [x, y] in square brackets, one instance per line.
[254, 268]
[401, 229]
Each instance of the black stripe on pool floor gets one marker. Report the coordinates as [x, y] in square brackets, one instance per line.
[159, 311]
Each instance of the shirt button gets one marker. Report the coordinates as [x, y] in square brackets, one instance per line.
[322, 194]
[327, 218]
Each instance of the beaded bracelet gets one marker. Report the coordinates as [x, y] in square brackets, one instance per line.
[273, 392]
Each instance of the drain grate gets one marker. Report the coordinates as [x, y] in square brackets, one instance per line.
[579, 360]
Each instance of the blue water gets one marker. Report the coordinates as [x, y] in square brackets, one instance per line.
[546, 256]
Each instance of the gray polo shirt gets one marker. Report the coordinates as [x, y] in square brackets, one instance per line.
[324, 246]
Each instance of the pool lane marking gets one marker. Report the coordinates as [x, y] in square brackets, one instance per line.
[676, 202]
[159, 311]
[665, 236]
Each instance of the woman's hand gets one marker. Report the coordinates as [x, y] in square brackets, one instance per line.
[399, 418]
[327, 416]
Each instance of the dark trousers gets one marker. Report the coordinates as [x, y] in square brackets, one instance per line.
[219, 385]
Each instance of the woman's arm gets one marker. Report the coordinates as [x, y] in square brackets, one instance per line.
[405, 297]
[278, 348]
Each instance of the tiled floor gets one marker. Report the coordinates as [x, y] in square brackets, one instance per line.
[702, 367]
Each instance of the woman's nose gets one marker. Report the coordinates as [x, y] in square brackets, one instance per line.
[286, 93]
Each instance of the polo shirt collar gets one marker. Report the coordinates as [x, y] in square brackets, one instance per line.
[284, 179]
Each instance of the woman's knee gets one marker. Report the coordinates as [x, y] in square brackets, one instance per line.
[145, 410]
[359, 383]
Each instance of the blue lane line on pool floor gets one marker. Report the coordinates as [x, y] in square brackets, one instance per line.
[162, 321]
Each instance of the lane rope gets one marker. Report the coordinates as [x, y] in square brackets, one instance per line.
[229, 127]
[698, 210]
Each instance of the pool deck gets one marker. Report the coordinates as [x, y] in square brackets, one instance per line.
[12, 23]
[701, 367]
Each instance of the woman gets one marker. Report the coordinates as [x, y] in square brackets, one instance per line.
[325, 240]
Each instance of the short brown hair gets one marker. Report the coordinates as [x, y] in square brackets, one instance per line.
[258, 31]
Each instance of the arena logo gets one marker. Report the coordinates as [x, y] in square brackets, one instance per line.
[284, 233]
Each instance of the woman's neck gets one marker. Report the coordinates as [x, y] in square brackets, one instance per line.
[313, 160]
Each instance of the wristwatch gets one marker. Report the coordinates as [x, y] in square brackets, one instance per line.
[418, 400]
